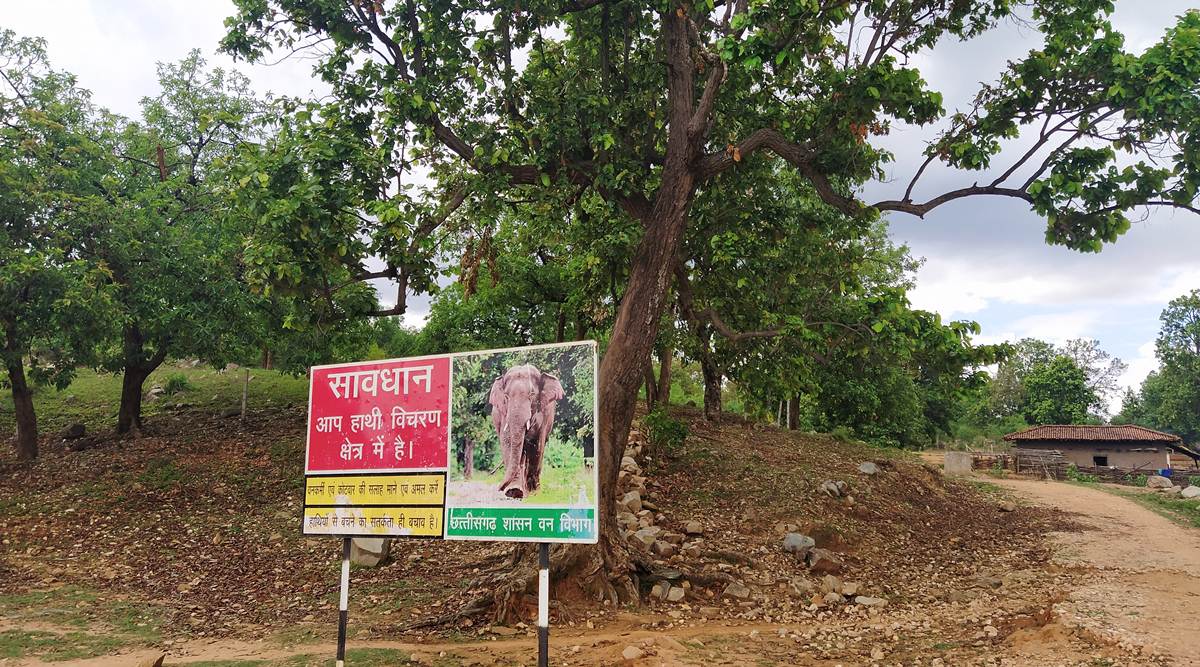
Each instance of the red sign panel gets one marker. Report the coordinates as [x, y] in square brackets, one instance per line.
[384, 416]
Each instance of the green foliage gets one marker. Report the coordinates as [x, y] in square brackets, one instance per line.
[177, 383]
[1136, 480]
[1057, 393]
[1169, 397]
[1074, 475]
[664, 431]
[160, 474]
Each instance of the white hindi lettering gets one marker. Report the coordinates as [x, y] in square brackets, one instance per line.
[329, 424]
[398, 448]
[351, 450]
[370, 420]
[377, 446]
[401, 417]
[350, 383]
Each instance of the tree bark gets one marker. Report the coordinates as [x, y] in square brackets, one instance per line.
[711, 373]
[137, 368]
[793, 413]
[665, 358]
[651, 389]
[22, 396]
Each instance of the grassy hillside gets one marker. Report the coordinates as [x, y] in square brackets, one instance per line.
[92, 398]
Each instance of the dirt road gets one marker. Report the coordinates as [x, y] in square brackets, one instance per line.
[1144, 570]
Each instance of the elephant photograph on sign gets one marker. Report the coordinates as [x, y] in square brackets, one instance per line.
[523, 428]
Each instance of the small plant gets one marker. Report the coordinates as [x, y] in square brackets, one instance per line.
[1074, 475]
[177, 383]
[160, 474]
[665, 432]
[997, 470]
[843, 434]
[1135, 480]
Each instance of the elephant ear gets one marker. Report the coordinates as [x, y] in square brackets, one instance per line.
[551, 388]
[496, 397]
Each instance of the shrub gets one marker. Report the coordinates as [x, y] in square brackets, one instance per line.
[1074, 475]
[1136, 480]
[663, 431]
[177, 383]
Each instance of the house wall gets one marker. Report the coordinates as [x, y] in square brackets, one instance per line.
[1121, 454]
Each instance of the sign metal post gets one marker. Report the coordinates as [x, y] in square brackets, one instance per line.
[344, 603]
[543, 604]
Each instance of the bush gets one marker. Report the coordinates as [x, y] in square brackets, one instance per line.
[177, 383]
[1074, 475]
[1136, 480]
[665, 432]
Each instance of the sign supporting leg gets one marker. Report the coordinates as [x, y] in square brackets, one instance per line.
[543, 604]
[344, 603]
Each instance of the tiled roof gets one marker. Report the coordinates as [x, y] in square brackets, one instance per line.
[1091, 432]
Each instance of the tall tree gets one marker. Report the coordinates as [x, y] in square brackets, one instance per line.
[1057, 393]
[645, 106]
[52, 296]
[1103, 370]
[174, 255]
[1169, 398]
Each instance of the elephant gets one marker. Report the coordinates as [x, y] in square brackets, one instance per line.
[523, 403]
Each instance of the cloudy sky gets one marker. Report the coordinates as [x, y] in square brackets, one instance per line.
[984, 258]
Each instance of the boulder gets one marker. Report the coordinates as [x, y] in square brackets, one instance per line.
[664, 549]
[631, 466]
[800, 545]
[1158, 482]
[831, 489]
[660, 589]
[799, 588]
[1008, 506]
[369, 551]
[694, 527]
[849, 589]
[74, 432]
[736, 590]
[673, 538]
[868, 601]
[632, 652]
[832, 598]
[824, 561]
[632, 501]
[675, 594]
[647, 536]
[868, 468]
[1190, 492]
[1171, 491]
[831, 584]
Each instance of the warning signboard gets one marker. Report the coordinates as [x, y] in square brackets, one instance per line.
[494, 445]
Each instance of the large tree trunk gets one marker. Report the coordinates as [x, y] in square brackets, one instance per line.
[137, 368]
[22, 396]
[712, 375]
[793, 413]
[663, 397]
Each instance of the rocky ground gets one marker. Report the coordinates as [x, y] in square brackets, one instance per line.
[763, 546]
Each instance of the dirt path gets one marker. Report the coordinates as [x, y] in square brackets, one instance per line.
[1144, 570]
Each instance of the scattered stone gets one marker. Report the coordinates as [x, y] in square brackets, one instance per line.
[632, 652]
[824, 561]
[987, 581]
[74, 432]
[694, 528]
[831, 489]
[739, 591]
[369, 551]
[631, 466]
[1172, 491]
[867, 601]
[647, 535]
[632, 501]
[710, 612]
[1190, 492]
[673, 538]
[832, 598]
[503, 630]
[660, 590]
[675, 594]
[878, 653]
[1008, 506]
[1158, 482]
[868, 468]
[664, 549]
[800, 545]
[830, 584]
[799, 588]
[849, 589]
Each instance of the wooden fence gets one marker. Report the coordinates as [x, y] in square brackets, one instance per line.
[1044, 463]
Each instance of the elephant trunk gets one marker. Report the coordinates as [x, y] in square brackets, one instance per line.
[516, 458]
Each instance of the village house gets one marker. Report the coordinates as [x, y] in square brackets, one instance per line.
[1120, 446]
